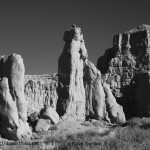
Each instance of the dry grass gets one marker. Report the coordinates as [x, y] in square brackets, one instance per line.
[135, 136]
[127, 138]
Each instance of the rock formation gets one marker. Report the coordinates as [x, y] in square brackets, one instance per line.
[80, 87]
[115, 111]
[43, 125]
[95, 96]
[41, 90]
[49, 113]
[70, 74]
[100, 102]
[13, 113]
[12, 67]
[8, 107]
[80, 90]
[126, 68]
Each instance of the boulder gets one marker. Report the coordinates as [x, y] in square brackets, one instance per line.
[50, 113]
[34, 117]
[43, 125]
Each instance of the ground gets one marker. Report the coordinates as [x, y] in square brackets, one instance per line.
[87, 135]
[61, 131]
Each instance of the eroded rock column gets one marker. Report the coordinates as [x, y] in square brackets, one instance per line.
[12, 99]
[70, 74]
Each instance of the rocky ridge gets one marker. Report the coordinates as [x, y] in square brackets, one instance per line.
[126, 67]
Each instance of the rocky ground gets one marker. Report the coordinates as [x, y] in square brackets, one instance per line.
[45, 140]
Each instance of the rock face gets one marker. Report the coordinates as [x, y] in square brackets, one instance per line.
[12, 67]
[95, 96]
[100, 102]
[8, 107]
[70, 74]
[13, 113]
[126, 68]
[115, 111]
[80, 89]
[142, 95]
[41, 90]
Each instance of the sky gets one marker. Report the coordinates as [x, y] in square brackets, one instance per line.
[34, 28]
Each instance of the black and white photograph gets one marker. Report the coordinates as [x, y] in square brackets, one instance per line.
[74, 75]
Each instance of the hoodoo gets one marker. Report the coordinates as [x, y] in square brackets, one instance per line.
[13, 105]
[70, 74]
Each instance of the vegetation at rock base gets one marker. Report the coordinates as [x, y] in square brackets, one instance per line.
[127, 138]
[131, 137]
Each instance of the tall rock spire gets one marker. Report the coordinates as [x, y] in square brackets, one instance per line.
[70, 74]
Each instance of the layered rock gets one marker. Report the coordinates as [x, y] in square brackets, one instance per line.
[126, 68]
[70, 74]
[41, 90]
[13, 113]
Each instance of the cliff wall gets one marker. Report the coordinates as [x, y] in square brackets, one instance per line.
[126, 67]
